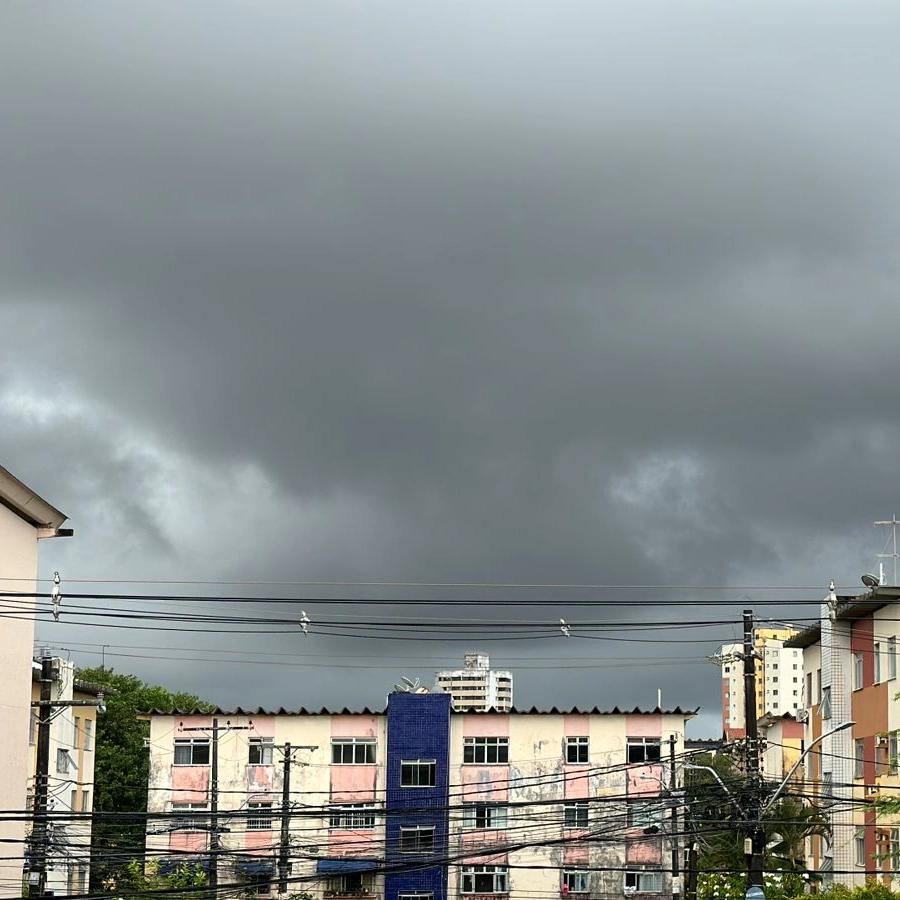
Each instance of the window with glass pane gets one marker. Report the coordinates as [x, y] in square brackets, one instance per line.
[892, 657]
[259, 816]
[417, 839]
[486, 750]
[353, 751]
[644, 814]
[576, 881]
[644, 881]
[577, 749]
[261, 751]
[352, 816]
[484, 815]
[857, 671]
[192, 752]
[575, 814]
[859, 758]
[483, 880]
[643, 750]
[190, 816]
[418, 773]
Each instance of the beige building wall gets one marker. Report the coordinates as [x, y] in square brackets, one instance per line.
[18, 560]
[71, 785]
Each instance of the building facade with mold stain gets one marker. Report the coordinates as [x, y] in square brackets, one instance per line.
[419, 801]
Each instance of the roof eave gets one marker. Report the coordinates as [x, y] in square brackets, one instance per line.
[27, 505]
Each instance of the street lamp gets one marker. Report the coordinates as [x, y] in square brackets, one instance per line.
[757, 839]
[796, 765]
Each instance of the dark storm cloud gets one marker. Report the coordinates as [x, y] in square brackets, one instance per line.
[591, 292]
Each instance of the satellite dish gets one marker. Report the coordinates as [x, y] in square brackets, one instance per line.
[408, 685]
[871, 581]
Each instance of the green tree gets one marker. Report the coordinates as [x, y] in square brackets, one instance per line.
[121, 770]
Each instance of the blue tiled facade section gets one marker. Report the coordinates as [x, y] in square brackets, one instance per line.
[418, 727]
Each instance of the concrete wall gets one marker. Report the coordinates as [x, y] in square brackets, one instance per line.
[18, 559]
[535, 784]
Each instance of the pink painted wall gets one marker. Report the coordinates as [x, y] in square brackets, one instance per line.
[187, 841]
[362, 843]
[355, 726]
[190, 778]
[263, 726]
[485, 725]
[485, 783]
[649, 851]
[644, 785]
[576, 784]
[576, 854]
[643, 726]
[260, 778]
[255, 840]
[353, 784]
[576, 726]
[472, 841]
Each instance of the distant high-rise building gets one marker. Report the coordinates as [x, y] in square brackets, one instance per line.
[779, 679]
[476, 686]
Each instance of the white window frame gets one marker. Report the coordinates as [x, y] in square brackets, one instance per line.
[576, 814]
[485, 816]
[651, 744]
[859, 847]
[859, 758]
[578, 750]
[191, 816]
[264, 748]
[644, 813]
[413, 834]
[876, 653]
[353, 751]
[194, 747]
[486, 751]
[892, 657]
[469, 879]
[88, 734]
[643, 880]
[415, 895]
[413, 770]
[260, 815]
[352, 817]
[576, 881]
[858, 670]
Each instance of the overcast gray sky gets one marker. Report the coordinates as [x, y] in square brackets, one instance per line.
[533, 292]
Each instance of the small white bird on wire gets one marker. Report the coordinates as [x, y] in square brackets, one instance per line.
[304, 621]
[564, 627]
[55, 596]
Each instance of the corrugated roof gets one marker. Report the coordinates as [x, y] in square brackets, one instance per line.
[365, 711]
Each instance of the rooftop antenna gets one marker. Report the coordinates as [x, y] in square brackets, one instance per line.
[893, 522]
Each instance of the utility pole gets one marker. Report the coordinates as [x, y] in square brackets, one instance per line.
[214, 846]
[283, 850]
[284, 855]
[40, 834]
[676, 874]
[40, 829]
[214, 810]
[754, 843]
